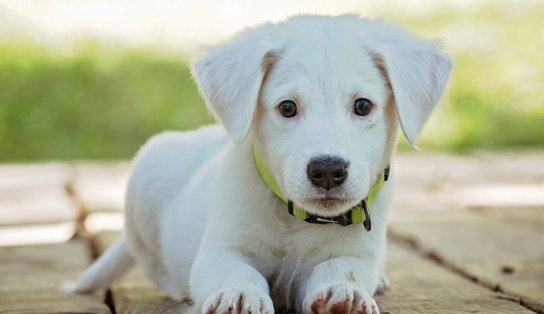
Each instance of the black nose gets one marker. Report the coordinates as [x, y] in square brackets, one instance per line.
[327, 171]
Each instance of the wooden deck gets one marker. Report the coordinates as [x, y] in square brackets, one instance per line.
[466, 236]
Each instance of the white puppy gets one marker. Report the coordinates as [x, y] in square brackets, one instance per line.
[315, 102]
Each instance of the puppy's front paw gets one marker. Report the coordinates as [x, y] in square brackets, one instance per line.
[340, 298]
[383, 285]
[238, 301]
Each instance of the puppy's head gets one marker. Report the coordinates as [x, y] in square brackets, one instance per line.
[322, 98]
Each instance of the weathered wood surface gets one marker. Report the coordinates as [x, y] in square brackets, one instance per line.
[31, 278]
[32, 194]
[482, 216]
[135, 293]
[467, 236]
[421, 286]
[34, 205]
[505, 254]
[433, 181]
[101, 187]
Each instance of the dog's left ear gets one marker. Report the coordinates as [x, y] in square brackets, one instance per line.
[417, 72]
[230, 77]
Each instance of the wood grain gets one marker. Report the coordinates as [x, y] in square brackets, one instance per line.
[420, 286]
[101, 186]
[35, 194]
[135, 293]
[503, 254]
[31, 278]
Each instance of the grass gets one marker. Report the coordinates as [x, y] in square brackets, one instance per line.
[494, 97]
[100, 102]
[90, 105]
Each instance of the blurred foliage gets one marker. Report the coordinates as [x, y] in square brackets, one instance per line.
[93, 104]
[494, 96]
[100, 102]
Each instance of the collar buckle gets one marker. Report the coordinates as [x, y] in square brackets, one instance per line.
[367, 223]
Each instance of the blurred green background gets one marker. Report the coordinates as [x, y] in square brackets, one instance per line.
[102, 101]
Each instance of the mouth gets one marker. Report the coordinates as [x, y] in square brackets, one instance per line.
[330, 203]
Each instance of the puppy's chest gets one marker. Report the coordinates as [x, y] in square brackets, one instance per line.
[298, 256]
[297, 249]
[289, 248]
[275, 253]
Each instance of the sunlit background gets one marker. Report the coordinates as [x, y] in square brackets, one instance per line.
[93, 79]
[86, 82]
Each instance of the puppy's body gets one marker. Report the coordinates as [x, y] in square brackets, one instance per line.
[199, 217]
[256, 224]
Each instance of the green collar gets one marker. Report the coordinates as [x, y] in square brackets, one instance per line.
[356, 215]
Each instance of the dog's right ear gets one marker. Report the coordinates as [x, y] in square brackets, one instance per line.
[230, 76]
[417, 71]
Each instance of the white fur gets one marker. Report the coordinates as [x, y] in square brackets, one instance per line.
[201, 221]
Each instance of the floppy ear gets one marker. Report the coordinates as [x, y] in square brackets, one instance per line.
[418, 73]
[229, 77]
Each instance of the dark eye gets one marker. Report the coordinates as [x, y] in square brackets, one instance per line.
[288, 109]
[362, 107]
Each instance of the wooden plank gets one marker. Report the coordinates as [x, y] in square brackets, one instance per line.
[31, 278]
[428, 169]
[135, 293]
[35, 194]
[35, 206]
[437, 181]
[97, 222]
[420, 286]
[532, 217]
[33, 176]
[101, 186]
[505, 255]
[513, 166]
[37, 234]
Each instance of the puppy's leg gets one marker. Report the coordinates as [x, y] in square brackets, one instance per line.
[223, 281]
[342, 285]
[383, 285]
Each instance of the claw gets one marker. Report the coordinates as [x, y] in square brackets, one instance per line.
[341, 299]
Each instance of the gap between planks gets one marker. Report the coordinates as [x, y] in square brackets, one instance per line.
[435, 257]
[82, 214]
